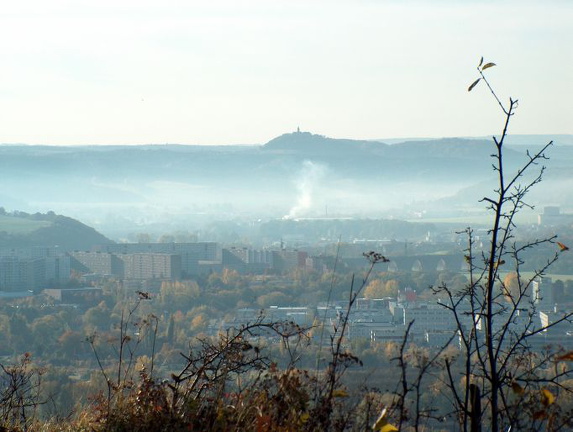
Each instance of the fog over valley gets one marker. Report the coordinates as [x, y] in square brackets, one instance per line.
[159, 188]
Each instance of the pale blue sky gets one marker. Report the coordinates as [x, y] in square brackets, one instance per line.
[224, 72]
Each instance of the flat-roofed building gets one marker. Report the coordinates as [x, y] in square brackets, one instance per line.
[191, 253]
[21, 274]
[101, 263]
[246, 260]
[151, 266]
[83, 296]
[58, 268]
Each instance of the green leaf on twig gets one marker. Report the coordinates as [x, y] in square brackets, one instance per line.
[473, 84]
[487, 66]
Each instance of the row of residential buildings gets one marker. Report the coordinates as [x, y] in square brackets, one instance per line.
[431, 322]
[22, 273]
[37, 268]
[33, 269]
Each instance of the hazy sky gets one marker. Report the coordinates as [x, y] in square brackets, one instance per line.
[224, 72]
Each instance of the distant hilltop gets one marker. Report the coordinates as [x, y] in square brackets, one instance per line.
[308, 142]
[299, 141]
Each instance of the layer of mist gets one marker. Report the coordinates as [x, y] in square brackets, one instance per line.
[298, 175]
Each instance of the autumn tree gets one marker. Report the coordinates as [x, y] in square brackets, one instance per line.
[379, 288]
[510, 286]
[392, 287]
[375, 289]
[502, 375]
[178, 295]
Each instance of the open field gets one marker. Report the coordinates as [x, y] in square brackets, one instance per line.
[476, 220]
[15, 225]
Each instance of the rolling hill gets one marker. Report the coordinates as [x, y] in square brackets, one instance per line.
[20, 229]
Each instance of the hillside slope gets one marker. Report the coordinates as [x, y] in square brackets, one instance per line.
[20, 229]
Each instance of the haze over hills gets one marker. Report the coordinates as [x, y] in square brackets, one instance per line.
[512, 140]
[115, 188]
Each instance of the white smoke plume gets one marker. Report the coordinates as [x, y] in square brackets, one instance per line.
[306, 183]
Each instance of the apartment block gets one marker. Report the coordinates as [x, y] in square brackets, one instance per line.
[192, 254]
[101, 263]
[151, 266]
[21, 274]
